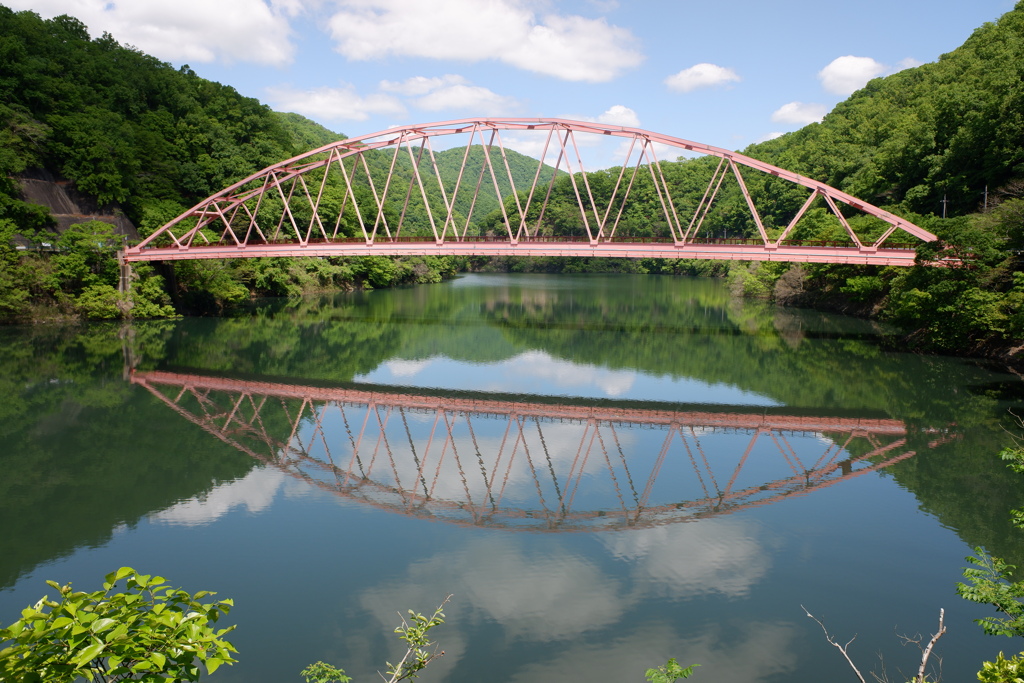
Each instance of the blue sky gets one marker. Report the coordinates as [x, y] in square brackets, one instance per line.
[726, 73]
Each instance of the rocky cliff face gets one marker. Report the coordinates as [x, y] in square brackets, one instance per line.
[68, 206]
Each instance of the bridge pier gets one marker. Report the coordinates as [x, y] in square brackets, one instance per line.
[124, 284]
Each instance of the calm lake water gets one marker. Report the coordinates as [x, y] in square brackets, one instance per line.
[604, 472]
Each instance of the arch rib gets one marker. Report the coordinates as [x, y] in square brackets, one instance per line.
[239, 209]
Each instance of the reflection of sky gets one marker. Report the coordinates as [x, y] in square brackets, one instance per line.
[543, 596]
[536, 372]
[255, 492]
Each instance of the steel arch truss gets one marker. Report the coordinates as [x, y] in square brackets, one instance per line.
[283, 209]
[531, 466]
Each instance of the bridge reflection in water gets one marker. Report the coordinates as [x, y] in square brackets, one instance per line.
[536, 466]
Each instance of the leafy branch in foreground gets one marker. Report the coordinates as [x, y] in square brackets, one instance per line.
[421, 650]
[669, 673]
[149, 632]
[321, 672]
[991, 584]
[1003, 670]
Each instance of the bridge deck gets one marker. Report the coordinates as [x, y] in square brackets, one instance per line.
[727, 250]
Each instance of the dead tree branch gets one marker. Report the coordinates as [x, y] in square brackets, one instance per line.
[842, 648]
[926, 651]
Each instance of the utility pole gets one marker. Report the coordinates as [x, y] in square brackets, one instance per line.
[944, 202]
[986, 198]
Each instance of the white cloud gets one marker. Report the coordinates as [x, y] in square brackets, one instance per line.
[187, 30]
[844, 75]
[473, 98]
[576, 49]
[731, 560]
[421, 85]
[616, 115]
[702, 75]
[908, 63]
[569, 47]
[406, 368]
[334, 104]
[742, 653]
[533, 596]
[619, 115]
[255, 491]
[451, 91]
[800, 113]
[655, 151]
[770, 136]
[541, 594]
[570, 375]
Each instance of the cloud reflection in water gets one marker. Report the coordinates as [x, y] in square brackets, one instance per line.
[537, 372]
[539, 593]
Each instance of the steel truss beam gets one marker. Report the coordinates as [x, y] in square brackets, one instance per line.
[469, 461]
[279, 211]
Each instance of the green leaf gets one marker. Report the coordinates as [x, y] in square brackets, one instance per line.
[121, 573]
[88, 654]
[119, 632]
[101, 625]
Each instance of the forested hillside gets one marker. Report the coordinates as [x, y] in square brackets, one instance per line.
[149, 140]
[952, 130]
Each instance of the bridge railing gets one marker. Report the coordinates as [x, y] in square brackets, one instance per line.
[571, 239]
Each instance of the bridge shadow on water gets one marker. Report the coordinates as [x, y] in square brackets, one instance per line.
[537, 464]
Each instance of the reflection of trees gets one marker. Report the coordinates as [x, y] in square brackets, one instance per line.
[681, 328]
[692, 329]
[81, 452]
[524, 465]
[967, 488]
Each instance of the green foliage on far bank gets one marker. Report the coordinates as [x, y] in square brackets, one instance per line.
[967, 309]
[76, 277]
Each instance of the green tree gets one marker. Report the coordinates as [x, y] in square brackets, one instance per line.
[147, 632]
[14, 293]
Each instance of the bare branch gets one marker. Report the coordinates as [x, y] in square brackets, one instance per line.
[931, 644]
[841, 648]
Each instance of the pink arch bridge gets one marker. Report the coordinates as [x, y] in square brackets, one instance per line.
[387, 194]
